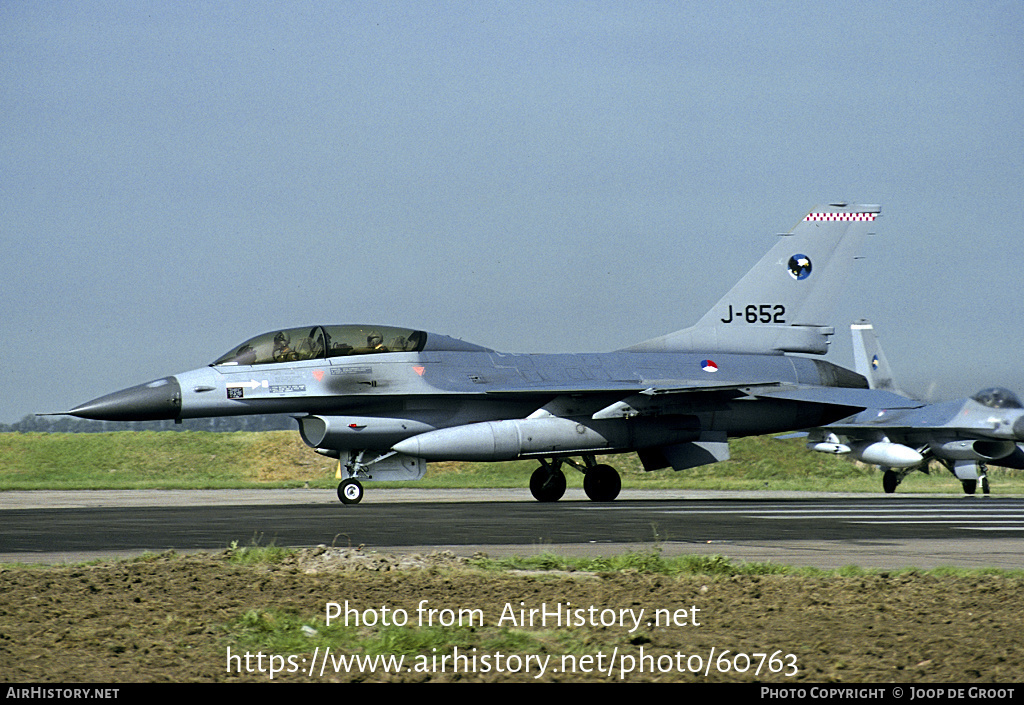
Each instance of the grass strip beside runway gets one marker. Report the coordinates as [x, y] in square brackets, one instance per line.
[276, 459]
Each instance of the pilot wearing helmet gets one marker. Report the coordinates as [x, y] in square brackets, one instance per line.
[375, 342]
[282, 348]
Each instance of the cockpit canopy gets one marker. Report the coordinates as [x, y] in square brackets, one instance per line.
[318, 342]
[997, 398]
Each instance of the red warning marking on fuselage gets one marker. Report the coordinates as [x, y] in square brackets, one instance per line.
[419, 370]
[318, 375]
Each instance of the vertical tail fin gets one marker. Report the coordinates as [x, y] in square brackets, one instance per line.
[782, 303]
[869, 359]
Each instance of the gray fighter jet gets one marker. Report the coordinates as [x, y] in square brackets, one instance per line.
[964, 435]
[385, 400]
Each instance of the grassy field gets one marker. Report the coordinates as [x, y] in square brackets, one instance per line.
[193, 460]
[142, 620]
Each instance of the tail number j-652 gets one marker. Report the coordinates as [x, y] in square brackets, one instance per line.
[757, 313]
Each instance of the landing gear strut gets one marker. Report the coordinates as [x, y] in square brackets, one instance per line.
[970, 473]
[975, 471]
[350, 491]
[892, 477]
[971, 486]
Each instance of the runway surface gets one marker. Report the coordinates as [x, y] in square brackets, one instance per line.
[823, 530]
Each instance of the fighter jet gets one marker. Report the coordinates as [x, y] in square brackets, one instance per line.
[385, 400]
[964, 435]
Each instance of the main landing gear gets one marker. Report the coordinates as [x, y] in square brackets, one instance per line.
[971, 474]
[971, 486]
[892, 477]
[600, 482]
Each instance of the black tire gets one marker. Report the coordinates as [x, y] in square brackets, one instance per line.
[350, 491]
[984, 485]
[602, 483]
[970, 486]
[547, 485]
[889, 481]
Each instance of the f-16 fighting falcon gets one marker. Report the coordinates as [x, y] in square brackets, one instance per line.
[964, 435]
[385, 400]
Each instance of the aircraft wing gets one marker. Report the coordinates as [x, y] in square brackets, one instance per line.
[642, 397]
[843, 396]
[632, 397]
[648, 387]
[764, 389]
[858, 430]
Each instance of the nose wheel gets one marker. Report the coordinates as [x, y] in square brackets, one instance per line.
[350, 491]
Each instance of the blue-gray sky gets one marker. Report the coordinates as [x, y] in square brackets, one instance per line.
[533, 177]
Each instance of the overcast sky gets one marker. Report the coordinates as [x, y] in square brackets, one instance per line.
[533, 177]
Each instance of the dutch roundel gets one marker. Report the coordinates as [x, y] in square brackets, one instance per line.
[799, 267]
[708, 366]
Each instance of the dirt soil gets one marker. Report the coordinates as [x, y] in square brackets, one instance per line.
[166, 619]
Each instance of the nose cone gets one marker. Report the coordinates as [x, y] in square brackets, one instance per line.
[157, 400]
